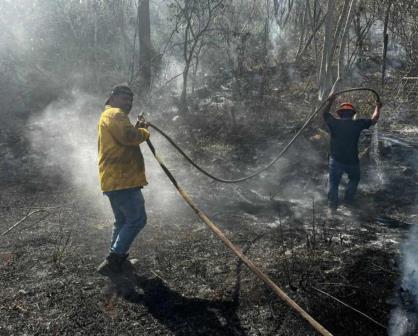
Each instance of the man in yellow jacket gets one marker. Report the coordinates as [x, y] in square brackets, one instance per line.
[122, 174]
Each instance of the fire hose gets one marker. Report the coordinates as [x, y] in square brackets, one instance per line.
[282, 152]
[215, 229]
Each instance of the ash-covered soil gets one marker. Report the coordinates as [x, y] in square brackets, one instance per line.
[187, 282]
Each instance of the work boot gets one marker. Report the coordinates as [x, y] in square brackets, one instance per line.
[128, 264]
[112, 264]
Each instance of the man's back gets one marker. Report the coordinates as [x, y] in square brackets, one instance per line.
[121, 164]
[345, 134]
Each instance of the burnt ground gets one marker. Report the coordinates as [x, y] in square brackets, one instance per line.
[187, 282]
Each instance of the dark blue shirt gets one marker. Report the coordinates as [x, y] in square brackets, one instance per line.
[344, 137]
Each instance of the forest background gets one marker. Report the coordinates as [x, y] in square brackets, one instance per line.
[231, 81]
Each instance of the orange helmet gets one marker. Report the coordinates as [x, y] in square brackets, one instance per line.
[345, 107]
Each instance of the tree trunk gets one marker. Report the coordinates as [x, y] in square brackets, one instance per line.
[196, 64]
[183, 98]
[95, 62]
[264, 65]
[343, 41]
[327, 52]
[335, 35]
[145, 50]
[302, 37]
[385, 42]
[358, 31]
[134, 53]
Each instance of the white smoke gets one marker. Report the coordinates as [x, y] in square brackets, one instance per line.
[402, 323]
[403, 319]
[279, 41]
[375, 153]
[410, 264]
[171, 74]
[65, 134]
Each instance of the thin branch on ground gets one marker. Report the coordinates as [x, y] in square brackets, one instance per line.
[23, 219]
[350, 307]
[338, 284]
[383, 269]
[161, 278]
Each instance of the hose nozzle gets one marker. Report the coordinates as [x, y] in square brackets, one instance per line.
[141, 122]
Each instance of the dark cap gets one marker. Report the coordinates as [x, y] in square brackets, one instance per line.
[118, 90]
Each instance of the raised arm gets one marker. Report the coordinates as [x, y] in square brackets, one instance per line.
[327, 107]
[376, 113]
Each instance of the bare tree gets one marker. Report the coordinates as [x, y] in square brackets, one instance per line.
[314, 26]
[194, 20]
[363, 20]
[282, 10]
[335, 38]
[145, 47]
[385, 39]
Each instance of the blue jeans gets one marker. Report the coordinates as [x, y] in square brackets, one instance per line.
[336, 171]
[130, 217]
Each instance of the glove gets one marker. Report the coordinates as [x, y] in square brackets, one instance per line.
[141, 123]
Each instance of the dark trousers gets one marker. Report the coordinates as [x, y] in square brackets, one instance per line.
[336, 171]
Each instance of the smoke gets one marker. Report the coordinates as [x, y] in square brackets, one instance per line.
[65, 136]
[375, 153]
[290, 178]
[171, 74]
[396, 52]
[160, 194]
[279, 40]
[402, 323]
[403, 319]
[300, 188]
[410, 264]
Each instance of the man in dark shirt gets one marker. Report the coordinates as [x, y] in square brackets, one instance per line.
[345, 132]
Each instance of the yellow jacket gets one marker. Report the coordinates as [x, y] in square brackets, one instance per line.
[121, 164]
